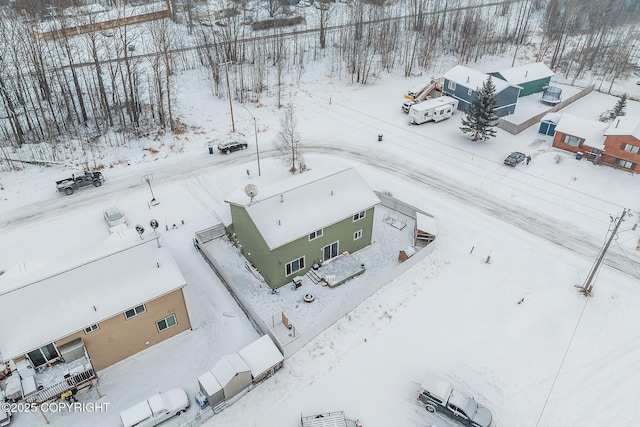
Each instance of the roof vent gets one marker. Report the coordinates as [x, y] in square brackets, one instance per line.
[526, 73]
[617, 123]
[281, 198]
[332, 192]
[279, 222]
[467, 79]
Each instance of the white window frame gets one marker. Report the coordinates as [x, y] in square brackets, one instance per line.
[301, 264]
[359, 216]
[631, 148]
[626, 164]
[452, 85]
[314, 235]
[567, 139]
[470, 92]
[91, 328]
[135, 311]
[175, 322]
[357, 235]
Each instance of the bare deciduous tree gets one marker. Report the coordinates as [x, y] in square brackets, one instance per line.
[288, 142]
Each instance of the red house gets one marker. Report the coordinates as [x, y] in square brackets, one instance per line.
[614, 144]
[622, 144]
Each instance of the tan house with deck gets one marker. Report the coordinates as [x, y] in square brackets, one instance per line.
[107, 302]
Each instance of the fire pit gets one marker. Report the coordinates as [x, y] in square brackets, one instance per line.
[309, 298]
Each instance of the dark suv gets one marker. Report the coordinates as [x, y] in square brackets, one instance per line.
[228, 147]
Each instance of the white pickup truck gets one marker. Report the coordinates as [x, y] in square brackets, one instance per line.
[156, 409]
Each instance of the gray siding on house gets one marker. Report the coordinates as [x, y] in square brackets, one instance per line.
[506, 99]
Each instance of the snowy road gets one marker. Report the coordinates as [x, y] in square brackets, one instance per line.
[563, 233]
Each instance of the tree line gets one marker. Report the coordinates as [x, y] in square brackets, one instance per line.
[96, 90]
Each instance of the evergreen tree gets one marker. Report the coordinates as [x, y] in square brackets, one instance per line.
[480, 118]
[619, 109]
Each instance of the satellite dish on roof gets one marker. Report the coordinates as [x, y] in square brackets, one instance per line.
[251, 190]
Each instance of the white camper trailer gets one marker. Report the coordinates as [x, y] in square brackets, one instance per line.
[436, 109]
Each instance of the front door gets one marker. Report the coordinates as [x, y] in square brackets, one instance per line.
[330, 251]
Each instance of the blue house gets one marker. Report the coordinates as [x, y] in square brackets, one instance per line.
[463, 83]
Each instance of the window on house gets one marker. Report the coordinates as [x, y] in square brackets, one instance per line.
[91, 328]
[166, 323]
[626, 164]
[359, 215]
[572, 141]
[43, 355]
[294, 266]
[315, 234]
[631, 148]
[357, 235]
[470, 92]
[134, 311]
[452, 85]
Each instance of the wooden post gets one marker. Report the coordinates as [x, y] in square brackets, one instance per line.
[43, 416]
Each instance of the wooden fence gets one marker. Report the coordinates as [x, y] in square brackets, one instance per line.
[515, 129]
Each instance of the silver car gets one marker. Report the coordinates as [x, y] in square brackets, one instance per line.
[113, 217]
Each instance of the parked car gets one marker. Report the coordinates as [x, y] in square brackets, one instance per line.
[113, 217]
[438, 395]
[514, 158]
[235, 145]
[156, 409]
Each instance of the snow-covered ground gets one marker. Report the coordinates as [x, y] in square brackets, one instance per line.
[555, 359]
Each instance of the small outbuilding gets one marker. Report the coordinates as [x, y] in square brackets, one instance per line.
[549, 123]
[211, 388]
[233, 374]
[263, 358]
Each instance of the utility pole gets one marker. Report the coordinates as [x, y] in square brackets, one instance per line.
[293, 157]
[226, 69]
[587, 288]
[255, 130]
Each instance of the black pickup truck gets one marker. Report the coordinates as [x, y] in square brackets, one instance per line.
[69, 185]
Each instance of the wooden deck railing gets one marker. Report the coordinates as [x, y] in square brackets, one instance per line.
[74, 381]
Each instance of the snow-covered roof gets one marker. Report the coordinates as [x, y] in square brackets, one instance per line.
[592, 131]
[552, 117]
[82, 289]
[473, 79]
[261, 355]
[526, 73]
[209, 383]
[625, 126]
[303, 203]
[426, 223]
[228, 367]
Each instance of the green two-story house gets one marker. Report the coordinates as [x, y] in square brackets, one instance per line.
[304, 219]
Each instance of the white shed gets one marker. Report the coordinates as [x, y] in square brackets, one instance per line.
[263, 357]
[233, 374]
[211, 388]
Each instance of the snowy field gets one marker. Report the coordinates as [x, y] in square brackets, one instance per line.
[555, 359]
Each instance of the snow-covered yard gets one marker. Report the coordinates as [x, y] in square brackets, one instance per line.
[513, 332]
